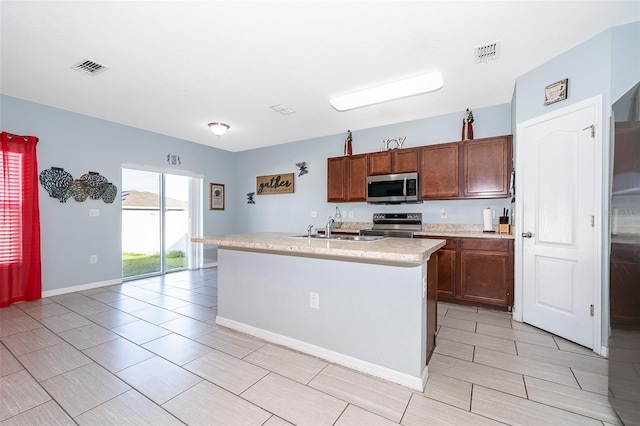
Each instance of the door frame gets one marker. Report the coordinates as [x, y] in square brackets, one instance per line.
[599, 131]
[196, 194]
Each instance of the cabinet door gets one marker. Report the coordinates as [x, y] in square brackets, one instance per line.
[379, 163]
[357, 177]
[439, 171]
[336, 179]
[404, 160]
[447, 272]
[487, 167]
[484, 277]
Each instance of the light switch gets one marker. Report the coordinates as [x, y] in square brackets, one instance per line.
[94, 212]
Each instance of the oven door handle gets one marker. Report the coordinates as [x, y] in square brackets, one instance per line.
[404, 188]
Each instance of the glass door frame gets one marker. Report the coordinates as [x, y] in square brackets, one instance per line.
[195, 193]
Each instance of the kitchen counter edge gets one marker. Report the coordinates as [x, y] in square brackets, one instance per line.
[389, 251]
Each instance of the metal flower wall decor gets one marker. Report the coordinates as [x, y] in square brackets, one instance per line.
[60, 184]
[302, 168]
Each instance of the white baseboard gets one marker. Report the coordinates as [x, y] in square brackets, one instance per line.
[604, 351]
[415, 383]
[210, 265]
[80, 287]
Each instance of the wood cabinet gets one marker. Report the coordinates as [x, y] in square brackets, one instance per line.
[478, 168]
[486, 272]
[347, 178]
[393, 161]
[405, 160]
[624, 285]
[447, 266]
[439, 171]
[487, 167]
[476, 271]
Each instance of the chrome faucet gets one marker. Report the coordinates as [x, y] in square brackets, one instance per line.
[327, 231]
[309, 228]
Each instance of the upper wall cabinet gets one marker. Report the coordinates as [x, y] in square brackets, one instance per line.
[479, 168]
[393, 161]
[347, 178]
[439, 171]
[486, 167]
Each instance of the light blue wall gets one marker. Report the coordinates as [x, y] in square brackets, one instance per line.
[588, 68]
[79, 144]
[292, 212]
[608, 65]
[625, 59]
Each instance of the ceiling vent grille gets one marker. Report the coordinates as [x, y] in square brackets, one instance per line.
[282, 109]
[488, 52]
[88, 67]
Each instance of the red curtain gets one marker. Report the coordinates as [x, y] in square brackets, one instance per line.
[20, 271]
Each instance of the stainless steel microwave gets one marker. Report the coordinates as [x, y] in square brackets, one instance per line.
[393, 189]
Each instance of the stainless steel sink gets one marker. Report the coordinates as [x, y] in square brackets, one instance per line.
[358, 237]
[343, 237]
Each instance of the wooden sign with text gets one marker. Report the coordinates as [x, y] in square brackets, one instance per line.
[274, 184]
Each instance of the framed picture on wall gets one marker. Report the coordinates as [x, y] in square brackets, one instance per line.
[216, 196]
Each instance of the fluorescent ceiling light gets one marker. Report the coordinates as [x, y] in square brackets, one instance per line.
[388, 92]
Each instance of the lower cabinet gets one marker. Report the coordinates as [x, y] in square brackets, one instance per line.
[476, 271]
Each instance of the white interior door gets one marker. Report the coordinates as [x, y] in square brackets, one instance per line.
[559, 273]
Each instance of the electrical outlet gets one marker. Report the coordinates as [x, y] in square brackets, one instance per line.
[351, 214]
[94, 212]
[443, 214]
[493, 214]
[314, 300]
[314, 213]
[94, 258]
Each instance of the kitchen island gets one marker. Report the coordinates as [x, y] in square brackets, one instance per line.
[366, 305]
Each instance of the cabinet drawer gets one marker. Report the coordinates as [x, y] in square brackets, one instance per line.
[485, 244]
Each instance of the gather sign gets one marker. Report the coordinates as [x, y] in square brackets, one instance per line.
[274, 184]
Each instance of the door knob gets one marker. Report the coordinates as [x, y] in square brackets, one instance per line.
[527, 235]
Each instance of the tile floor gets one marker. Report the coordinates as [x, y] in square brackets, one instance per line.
[149, 352]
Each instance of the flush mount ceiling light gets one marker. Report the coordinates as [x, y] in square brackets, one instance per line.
[388, 92]
[218, 129]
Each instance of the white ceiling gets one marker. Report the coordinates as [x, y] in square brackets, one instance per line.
[174, 66]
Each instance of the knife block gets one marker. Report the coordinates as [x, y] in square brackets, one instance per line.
[504, 228]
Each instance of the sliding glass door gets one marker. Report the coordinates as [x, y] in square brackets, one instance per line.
[156, 221]
[176, 215]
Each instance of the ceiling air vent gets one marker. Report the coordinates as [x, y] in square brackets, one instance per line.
[89, 67]
[282, 109]
[488, 52]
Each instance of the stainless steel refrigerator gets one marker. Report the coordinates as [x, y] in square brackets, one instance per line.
[624, 260]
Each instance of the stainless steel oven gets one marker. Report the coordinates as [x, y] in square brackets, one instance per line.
[400, 225]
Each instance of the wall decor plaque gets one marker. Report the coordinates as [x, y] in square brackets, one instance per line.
[556, 92]
[274, 184]
[216, 196]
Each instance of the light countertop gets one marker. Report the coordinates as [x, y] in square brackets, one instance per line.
[394, 251]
